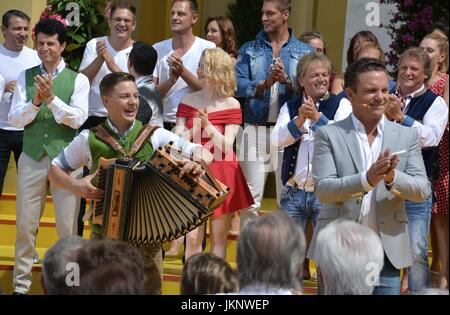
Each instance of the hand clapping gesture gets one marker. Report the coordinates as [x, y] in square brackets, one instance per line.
[394, 110]
[44, 91]
[309, 110]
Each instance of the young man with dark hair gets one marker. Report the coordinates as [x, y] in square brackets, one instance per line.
[178, 57]
[14, 58]
[141, 63]
[50, 102]
[120, 96]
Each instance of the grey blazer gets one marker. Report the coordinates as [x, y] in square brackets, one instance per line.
[337, 169]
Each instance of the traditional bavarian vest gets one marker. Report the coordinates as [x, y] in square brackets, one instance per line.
[99, 148]
[417, 108]
[44, 136]
[327, 107]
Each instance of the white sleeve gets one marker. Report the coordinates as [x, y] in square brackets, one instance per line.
[76, 113]
[344, 110]
[90, 53]
[76, 154]
[2, 87]
[161, 137]
[22, 112]
[434, 122]
[281, 136]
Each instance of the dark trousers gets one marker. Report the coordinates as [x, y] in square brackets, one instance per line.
[10, 141]
[91, 122]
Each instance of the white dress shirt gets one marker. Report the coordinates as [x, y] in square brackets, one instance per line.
[282, 137]
[78, 153]
[432, 128]
[369, 155]
[73, 114]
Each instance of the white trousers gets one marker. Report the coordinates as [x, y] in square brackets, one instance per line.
[257, 158]
[32, 191]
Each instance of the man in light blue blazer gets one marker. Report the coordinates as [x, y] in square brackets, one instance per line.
[364, 167]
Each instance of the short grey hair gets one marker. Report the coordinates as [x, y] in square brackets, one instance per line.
[55, 261]
[348, 254]
[271, 251]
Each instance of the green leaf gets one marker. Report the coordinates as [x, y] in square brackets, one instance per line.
[72, 47]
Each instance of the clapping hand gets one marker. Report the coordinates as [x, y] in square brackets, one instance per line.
[203, 116]
[44, 92]
[176, 64]
[383, 168]
[309, 110]
[394, 108]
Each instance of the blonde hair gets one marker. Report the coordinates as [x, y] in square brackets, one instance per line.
[442, 43]
[219, 71]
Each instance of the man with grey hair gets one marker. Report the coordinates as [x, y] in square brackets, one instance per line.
[270, 255]
[55, 264]
[350, 257]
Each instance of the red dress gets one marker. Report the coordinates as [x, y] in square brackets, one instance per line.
[227, 169]
[441, 185]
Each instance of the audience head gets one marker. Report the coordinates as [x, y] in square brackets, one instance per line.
[216, 67]
[370, 50]
[356, 41]
[142, 59]
[316, 40]
[122, 19]
[313, 75]
[109, 267]
[350, 257]
[183, 16]
[366, 85]
[275, 15]
[15, 27]
[220, 31]
[414, 70]
[56, 264]
[205, 273]
[270, 252]
[436, 46]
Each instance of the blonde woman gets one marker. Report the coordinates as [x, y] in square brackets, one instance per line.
[212, 117]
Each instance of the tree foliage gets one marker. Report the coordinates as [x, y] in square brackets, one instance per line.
[246, 18]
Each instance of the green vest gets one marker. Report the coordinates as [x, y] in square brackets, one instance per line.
[44, 135]
[99, 149]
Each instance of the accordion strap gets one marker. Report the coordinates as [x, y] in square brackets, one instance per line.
[145, 133]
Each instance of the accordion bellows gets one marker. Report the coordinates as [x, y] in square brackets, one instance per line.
[149, 204]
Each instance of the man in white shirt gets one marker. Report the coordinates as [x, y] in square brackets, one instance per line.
[50, 103]
[178, 58]
[357, 178]
[102, 56]
[14, 58]
[108, 54]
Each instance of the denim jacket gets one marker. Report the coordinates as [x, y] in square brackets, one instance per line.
[252, 66]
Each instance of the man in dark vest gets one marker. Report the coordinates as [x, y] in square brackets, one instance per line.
[50, 102]
[121, 99]
[419, 108]
[294, 131]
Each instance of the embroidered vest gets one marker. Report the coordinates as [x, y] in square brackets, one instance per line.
[328, 107]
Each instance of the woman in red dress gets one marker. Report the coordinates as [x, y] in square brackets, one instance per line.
[437, 48]
[213, 117]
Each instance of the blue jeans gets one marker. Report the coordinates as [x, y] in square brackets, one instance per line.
[10, 141]
[389, 280]
[419, 215]
[300, 205]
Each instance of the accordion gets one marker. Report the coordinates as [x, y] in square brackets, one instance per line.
[149, 204]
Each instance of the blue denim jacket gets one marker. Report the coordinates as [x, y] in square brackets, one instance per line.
[252, 66]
